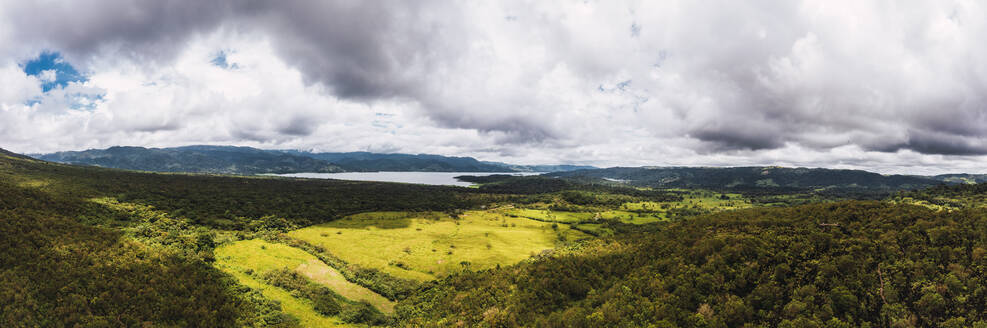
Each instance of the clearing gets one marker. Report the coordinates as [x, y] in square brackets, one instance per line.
[428, 245]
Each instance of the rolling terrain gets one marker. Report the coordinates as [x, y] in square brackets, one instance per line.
[89, 246]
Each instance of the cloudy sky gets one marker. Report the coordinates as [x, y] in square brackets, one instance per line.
[889, 86]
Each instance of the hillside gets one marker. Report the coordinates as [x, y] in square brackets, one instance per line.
[89, 246]
[847, 264]
[4, 152]
[372, 162]
[195, 159]
[748, 178]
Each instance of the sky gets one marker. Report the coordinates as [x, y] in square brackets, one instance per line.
[885, 86]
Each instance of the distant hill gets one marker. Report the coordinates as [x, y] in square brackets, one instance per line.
[13, 154]
[196, 159]
[544, 168]
[372, 162]
[246, 160]
[749, 177]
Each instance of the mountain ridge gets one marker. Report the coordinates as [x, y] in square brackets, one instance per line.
[230, 160]
[758, 177]
[248, 160]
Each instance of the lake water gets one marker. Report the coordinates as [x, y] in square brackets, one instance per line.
[429, 178]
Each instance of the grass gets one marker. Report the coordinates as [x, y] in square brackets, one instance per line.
[697, 200]
[259, 257]
[632, 217]
[301, 309]
[552, 216]
[428, 245]
[584, 217]
[595, 228]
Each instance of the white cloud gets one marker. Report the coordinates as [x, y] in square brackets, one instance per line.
[48, 75]
[891, 87]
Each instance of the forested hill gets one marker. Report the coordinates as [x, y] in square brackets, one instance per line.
[197, 159]
[246, 160]
[371, 162]
[750, 177]
[12, 154]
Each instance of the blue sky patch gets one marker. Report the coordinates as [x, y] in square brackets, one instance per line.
[220, 61]
[53, 71]
[85, 102]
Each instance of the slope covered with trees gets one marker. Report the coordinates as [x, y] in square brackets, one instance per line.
[849, 264]
[86, 246]
[371, 162]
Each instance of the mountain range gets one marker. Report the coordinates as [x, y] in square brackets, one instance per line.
[246, 160]
[760, 177]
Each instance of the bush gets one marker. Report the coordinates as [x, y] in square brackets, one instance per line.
[326, 304]
[362, 312]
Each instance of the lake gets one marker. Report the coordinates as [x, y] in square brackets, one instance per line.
[429, 178]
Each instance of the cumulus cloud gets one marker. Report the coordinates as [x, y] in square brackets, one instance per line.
[811, 82]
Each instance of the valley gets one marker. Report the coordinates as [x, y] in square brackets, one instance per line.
[514, 251]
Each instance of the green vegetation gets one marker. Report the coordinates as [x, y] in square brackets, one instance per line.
[750, 178]
[947, 197]
[237, 203]
[57, 271]
[100, 247]
[94, 247]
[317, 294]
[847, 264]
[261, 257]
[425, 245]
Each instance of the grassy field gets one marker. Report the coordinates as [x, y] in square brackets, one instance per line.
[583, 217]
[427, 245]
[246, 260]
[553, 216]
[700, 201]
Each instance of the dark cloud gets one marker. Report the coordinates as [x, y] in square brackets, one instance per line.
[299, 126]
[737, 77]
[356, 48]
[945, 144]
[169, 125]
[361, 49]
[145, 29]
[738, 137]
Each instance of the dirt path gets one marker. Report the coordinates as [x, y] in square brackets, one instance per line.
[321, 273]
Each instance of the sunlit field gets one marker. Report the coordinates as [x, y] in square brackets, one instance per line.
[424, 246]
